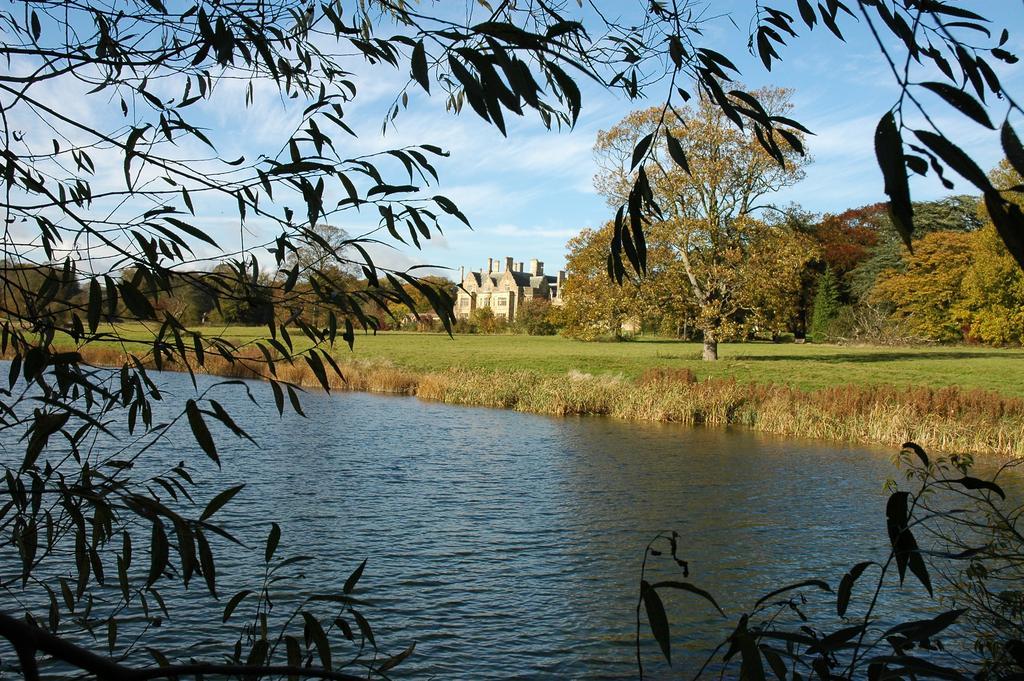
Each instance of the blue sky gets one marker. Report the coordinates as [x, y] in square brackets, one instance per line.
[528, 194]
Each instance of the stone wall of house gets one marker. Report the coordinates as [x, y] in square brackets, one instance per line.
[503, 286]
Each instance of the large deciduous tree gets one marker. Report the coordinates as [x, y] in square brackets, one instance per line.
[710, 209]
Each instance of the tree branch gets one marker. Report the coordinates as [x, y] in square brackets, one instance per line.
[28, 639]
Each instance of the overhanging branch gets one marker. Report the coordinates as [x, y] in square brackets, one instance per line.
[28, 640]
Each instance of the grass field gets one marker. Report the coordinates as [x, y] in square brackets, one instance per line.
[804, 366]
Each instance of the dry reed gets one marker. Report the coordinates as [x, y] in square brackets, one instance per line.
[949, 419]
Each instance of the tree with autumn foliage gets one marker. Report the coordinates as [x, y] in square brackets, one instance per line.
[709, 178]
[594, 306]
[992, 304]
[846, 239]
[926, 295]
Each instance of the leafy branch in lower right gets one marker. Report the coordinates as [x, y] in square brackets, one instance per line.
[974, 547]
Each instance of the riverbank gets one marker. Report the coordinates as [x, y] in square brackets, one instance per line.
[949, 419]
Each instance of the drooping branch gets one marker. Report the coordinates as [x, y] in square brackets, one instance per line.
[28, 640]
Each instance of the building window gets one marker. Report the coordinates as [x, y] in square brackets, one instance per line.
[501, 302]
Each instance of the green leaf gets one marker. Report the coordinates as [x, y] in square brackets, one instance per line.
[136, 302]
[194, 232]
[961, 101]
[570, 91]
[233, 603]
[129, 152]
[807, 13]
[218, 501]
[751, 668]
[222, 415]
[904, 666]
[917, 450]
[158, 553]
[924, 629]
[294, 654]
[640, 150]
[111, 634]
[846, 586]
[675, 150]
[273, 539]
[790, 587]
[365, 628]
[258, 654]
[315, 632]
[1009, 222]
[775, 662]
[686, 586]
[317, 365]
[206, 563]
[955, 158]
[975, 483]
[1012, 147]
[828, 18]
[200, 431]
[418, 64]
[889, 152]
[835, 640]
[904, 545]
[186, 549]
[656, 618]
[896, 522]
[396, 660]
[95, 304]
[350, 583]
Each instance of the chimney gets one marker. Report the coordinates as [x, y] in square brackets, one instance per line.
[462, 273]
[561, 280]
[533, 267]
[508, 264]
[490, 265]
[519, 266]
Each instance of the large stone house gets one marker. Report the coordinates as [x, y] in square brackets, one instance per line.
[505, 289]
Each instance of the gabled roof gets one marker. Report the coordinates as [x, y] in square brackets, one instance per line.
[521, 279]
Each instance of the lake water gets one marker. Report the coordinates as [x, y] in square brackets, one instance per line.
[508, 545]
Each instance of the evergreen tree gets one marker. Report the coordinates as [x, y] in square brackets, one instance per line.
[826, 305]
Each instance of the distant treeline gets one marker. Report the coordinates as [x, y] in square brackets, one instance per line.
[842, 277]
[228, 294]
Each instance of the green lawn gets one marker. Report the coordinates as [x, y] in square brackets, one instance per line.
[803, 366]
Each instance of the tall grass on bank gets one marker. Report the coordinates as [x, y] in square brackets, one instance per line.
[950, 419]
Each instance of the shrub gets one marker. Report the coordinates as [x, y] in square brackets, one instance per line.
[485, 321]
[535, 318]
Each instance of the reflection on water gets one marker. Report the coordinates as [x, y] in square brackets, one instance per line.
[509, 545]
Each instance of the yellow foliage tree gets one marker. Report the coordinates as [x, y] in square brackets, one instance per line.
[595, 306]
[992, 307]
[927, 294]
[710, 211]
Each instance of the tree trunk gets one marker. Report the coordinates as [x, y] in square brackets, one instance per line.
[710, 349]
